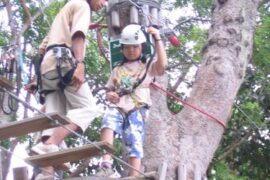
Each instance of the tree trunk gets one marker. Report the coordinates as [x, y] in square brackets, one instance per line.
[191, 137]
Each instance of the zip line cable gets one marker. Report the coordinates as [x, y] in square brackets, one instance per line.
[248, 118]
[70, 130]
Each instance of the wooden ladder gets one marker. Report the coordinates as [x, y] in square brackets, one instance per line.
[42, 122]
[152, 175]
[29, 125]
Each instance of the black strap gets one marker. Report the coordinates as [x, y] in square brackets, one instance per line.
[57, 45]
[64, 80]
[125, 115]
[148, 63]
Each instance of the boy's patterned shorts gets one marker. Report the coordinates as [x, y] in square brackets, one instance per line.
[131, 129]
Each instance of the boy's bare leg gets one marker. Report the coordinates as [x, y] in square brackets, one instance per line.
[107, 135]
[136, 164]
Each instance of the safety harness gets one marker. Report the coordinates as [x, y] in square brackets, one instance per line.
[63, 54]
[129, 89]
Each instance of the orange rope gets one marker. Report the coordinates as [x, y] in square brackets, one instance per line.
[186, 103]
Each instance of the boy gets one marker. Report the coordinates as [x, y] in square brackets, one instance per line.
[131, 104]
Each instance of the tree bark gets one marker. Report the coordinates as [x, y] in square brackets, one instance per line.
[191, 138]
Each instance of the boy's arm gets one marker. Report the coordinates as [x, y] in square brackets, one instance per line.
[111, 95]
[159, 65]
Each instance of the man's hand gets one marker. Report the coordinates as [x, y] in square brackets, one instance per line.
[112, 97]
[78, 76]
[97, 4]
[41, 51]
[31, 87]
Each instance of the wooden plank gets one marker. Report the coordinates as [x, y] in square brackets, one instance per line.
[6, 83]
[148, 175]
[91, 178]
[182, 172]
[197, 173]
[162, 171]
[70, 155]
[34, 124]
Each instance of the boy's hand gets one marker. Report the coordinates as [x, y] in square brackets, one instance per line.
[113, 97]
[97, 4]
[154, 32]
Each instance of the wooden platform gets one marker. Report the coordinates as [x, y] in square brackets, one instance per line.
[70, 155]
[148, 175]
[6, 83]
[34, 124]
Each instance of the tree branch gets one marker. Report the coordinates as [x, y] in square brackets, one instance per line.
[27, 12]
[189, 20]
[262, 2]
[179, 80]
[232, 147]
[26, 25]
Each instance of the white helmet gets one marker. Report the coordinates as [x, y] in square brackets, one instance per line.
[132, 34]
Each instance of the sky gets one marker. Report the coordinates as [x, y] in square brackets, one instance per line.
[17, 161]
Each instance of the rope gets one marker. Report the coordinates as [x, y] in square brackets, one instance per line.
[70, 130]
[245, 114]
[104, 51]
[190, 105]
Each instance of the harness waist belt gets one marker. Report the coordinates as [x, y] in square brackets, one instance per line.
[57, 45]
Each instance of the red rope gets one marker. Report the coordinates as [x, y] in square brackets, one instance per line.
[186, 103]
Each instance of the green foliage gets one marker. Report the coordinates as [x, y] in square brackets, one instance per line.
[4, 38]
[174, 105]
[261, 42]
[96, 66]
[223, 171]
[5, 143]
[247, 136]
[194, 38]
[201, 8]
[182, 3]
[40, 27]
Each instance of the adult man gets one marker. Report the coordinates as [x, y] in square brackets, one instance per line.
[62, 75]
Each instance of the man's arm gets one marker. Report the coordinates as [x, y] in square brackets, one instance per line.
[42, 47]
[78, 47]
